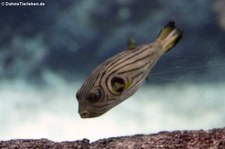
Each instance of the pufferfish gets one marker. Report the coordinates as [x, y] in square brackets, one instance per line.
[120, 76]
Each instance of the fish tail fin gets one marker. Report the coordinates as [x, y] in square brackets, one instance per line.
[169, 36]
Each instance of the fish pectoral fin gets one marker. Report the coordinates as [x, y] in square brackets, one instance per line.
[127, 84]
[120, 87]
[131, 44]
[117, 87]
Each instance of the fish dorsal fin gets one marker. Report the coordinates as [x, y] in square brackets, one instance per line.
[131, 44]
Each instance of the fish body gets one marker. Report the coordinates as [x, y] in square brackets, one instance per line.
[120, 76]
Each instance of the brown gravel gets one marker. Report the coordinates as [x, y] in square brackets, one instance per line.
[197, 139]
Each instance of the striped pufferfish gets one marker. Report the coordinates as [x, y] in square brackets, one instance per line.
[120, 76]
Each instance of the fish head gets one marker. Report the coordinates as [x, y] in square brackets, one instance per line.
[97, 97]
[90, 102]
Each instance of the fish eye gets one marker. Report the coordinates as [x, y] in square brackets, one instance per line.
[95, 96]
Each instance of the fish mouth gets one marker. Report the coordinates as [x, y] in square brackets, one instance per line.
[88, 114]
[87, 111]
[84, 114]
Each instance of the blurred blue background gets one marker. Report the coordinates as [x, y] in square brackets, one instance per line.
[46, 53]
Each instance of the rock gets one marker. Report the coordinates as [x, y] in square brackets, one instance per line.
[43, 144]
[191, 139]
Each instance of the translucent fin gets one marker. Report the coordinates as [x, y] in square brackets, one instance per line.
[131, 44]
[169, 36]
[119, 87]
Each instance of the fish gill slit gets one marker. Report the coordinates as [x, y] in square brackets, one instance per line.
[107, 86]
